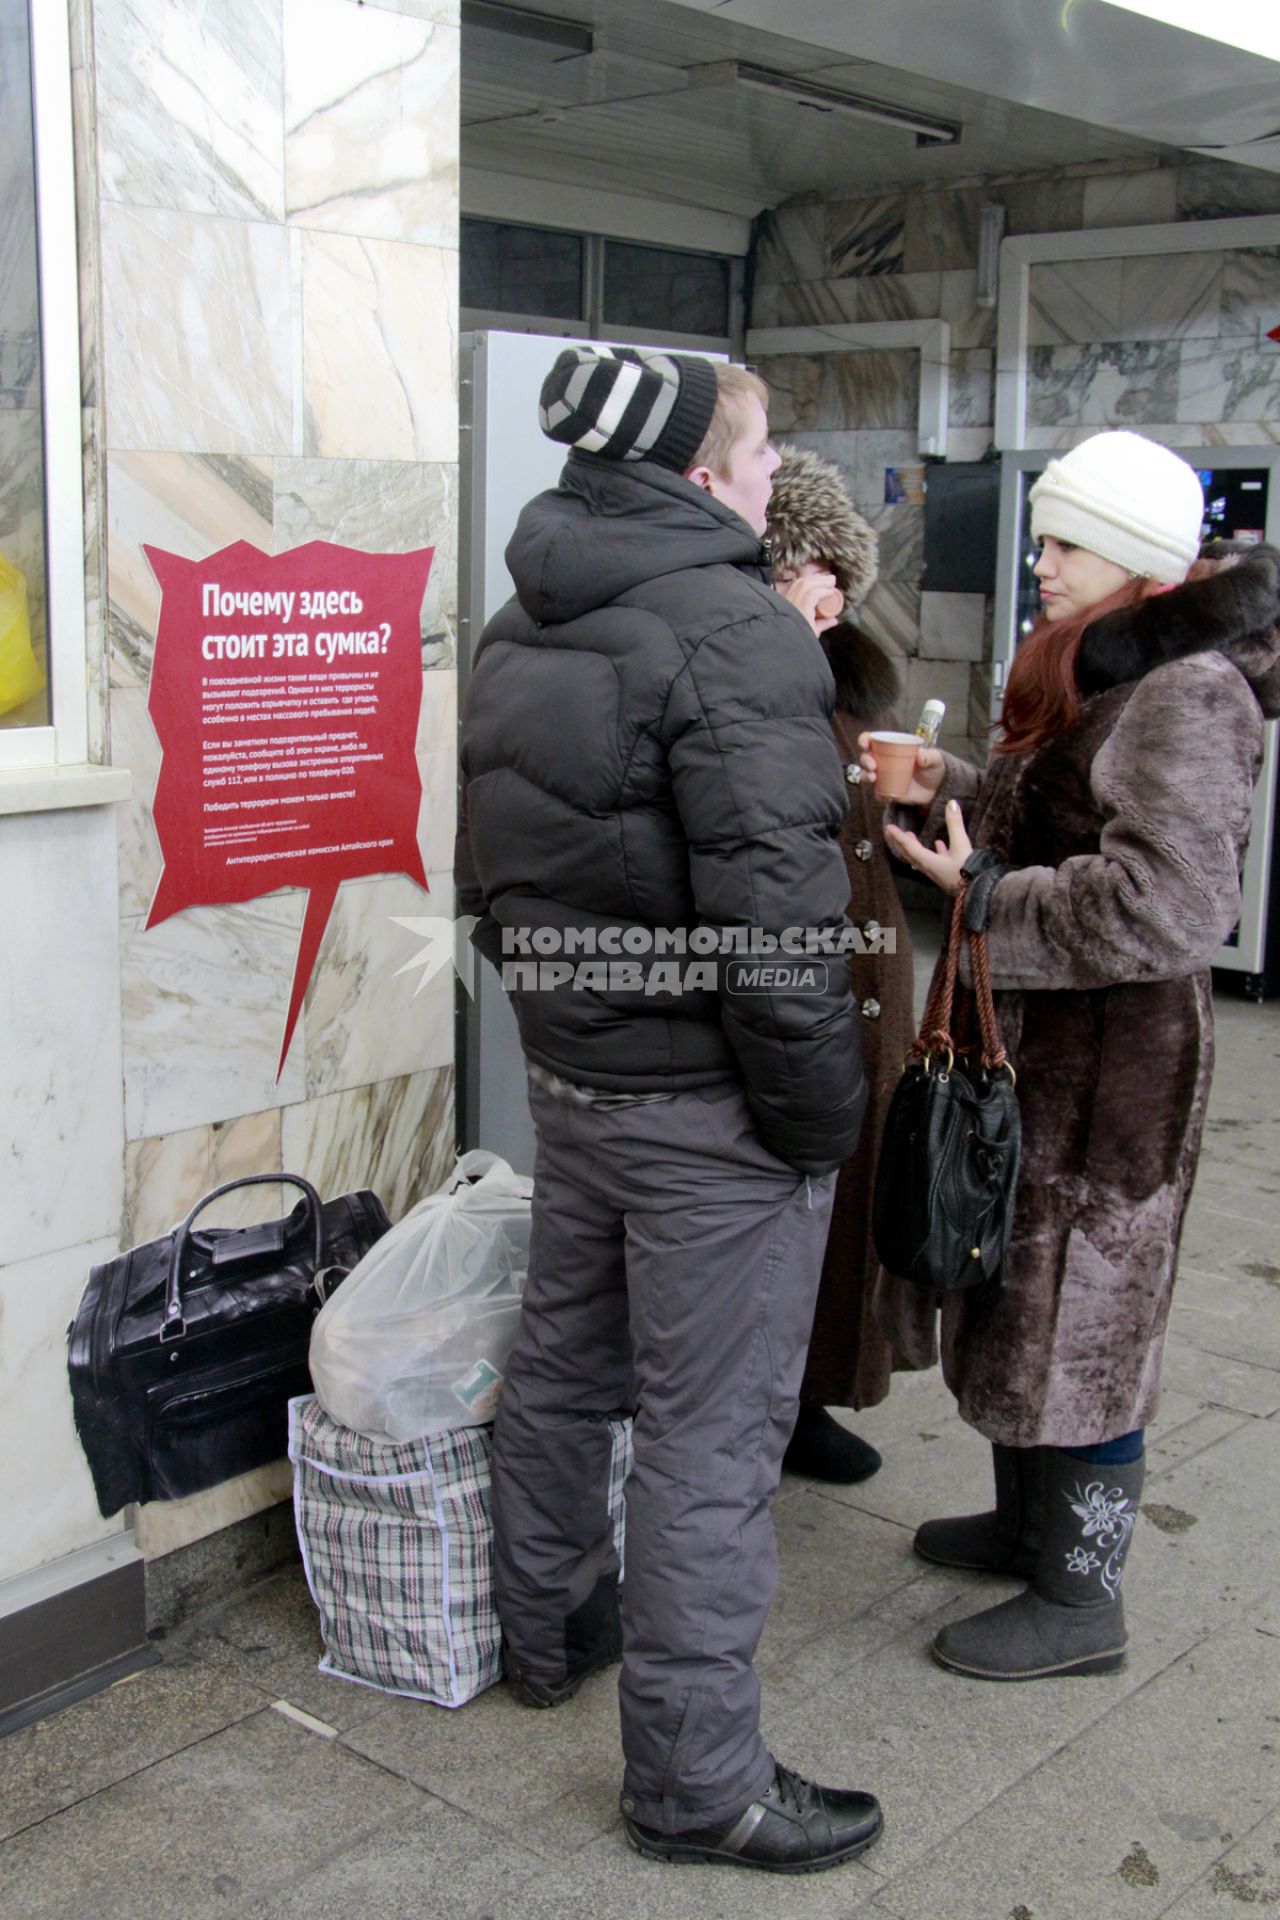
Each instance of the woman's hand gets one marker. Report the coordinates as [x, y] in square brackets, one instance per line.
[816, 595]
[930, 767]
[944, 864]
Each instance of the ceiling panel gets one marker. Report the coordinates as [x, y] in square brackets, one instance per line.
[631, 112]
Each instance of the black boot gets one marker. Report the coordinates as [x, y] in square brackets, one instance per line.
[1006, 1541]
[1071, 1618]
[824, 1450]
[794, 1827]
[592, 1641]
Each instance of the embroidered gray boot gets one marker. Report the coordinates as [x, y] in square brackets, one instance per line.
[1006, 1541]
[1071, 1618]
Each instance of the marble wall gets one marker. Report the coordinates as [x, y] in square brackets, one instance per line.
[1174, 346]
[268, 210]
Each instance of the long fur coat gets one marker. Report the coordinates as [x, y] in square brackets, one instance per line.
[850, 1361]
[1124, 837]
[811, 517]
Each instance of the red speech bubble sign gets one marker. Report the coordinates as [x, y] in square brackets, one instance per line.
[285, 690]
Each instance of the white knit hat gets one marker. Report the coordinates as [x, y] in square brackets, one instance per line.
[1127, 499]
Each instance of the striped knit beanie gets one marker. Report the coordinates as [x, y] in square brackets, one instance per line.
[624, 404]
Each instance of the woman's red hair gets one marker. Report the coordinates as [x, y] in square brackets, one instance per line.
[1041, 697]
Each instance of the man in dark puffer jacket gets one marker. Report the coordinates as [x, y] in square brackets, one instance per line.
[647, 756]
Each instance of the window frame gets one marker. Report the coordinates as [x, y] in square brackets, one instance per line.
[64, 741]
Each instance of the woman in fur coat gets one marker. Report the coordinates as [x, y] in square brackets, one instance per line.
[1114, 816]
[819, 542]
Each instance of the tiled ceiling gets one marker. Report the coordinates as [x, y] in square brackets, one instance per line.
[631, 115]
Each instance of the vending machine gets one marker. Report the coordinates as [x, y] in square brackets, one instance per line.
[1242, 502]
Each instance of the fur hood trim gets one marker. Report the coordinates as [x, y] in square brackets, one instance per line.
[811, 517]
[867, 683]
[1235, 612]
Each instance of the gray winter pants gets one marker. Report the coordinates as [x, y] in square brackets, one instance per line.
[673, 1272]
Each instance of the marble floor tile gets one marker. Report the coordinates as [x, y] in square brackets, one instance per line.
[436, 1864]
[268, 1640]
[244, 1811]
[1092, 1832]
[97, 1742]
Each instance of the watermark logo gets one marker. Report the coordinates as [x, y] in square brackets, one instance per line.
[653, 961]
[448, 944]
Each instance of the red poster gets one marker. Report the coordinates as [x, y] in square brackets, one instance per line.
[285, 690]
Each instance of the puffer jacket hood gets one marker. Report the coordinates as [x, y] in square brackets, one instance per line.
[608, 528]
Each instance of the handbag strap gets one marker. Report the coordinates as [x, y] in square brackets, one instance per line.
[935, 1035]
[174, 1325]
[993, 1053]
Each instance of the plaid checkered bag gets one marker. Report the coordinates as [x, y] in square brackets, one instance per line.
[397, 1544]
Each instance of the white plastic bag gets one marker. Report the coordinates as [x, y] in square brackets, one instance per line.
[416, 1338]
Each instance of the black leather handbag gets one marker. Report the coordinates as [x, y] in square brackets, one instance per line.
[942, 1210]
[184, 1352]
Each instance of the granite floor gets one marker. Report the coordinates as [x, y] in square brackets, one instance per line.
[233, 1779]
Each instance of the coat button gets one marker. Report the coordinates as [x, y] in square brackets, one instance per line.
[862, 850]
[871, 929]
[853, 774]
[871, 1009]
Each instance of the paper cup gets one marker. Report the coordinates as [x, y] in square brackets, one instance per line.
[895, 762]
[831, 605]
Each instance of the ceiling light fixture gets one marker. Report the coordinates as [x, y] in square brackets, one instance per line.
[823, 99]
[568, 35]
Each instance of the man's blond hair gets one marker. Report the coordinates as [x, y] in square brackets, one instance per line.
[733, 384]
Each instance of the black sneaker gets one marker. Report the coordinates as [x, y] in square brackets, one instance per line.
[796, 1827]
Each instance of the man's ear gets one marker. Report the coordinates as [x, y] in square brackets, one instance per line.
[701, 477]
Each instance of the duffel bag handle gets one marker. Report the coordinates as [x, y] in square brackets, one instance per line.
[174, 1325]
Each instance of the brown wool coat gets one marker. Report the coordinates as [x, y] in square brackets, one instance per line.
[1124, 837]
[850, 1360]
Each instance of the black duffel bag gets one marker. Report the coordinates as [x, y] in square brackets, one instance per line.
[942, 1207]
[184, 1352]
